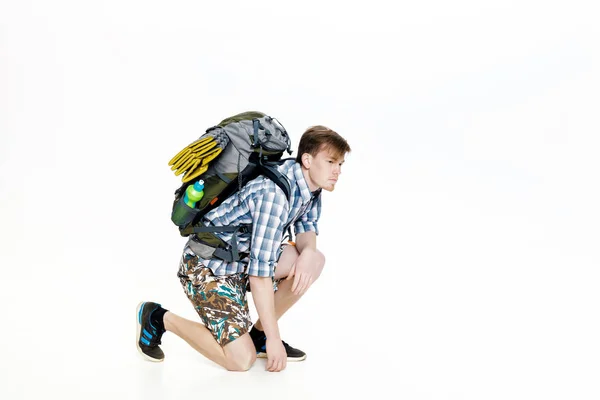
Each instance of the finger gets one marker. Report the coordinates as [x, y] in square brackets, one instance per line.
[296, 281]
[275, 367]
[292, 272]
[309, 284]
[302, 285]
[296, 284]
[297, 291]
[305, 288]
[269, 363]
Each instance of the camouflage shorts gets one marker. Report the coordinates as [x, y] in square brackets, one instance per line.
[220, 301]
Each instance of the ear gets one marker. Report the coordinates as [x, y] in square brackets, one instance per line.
[306, 160]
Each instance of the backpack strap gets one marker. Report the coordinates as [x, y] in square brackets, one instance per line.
[256, 125]
[271, 172]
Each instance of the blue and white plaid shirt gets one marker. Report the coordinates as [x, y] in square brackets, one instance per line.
[264, 205]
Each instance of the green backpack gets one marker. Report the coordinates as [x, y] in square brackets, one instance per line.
[226, 157]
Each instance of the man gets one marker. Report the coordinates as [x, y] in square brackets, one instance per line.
[278, 274]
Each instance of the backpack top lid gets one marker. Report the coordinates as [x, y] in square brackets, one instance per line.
[247, 115]
[237, 137]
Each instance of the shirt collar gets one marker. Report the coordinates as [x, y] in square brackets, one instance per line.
[301, 182]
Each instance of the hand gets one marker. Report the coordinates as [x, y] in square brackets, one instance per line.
[276, 356]
[305, 271]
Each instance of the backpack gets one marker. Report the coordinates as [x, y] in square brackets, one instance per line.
[226, 157]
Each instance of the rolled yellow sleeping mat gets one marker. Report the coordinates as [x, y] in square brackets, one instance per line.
[193, 160]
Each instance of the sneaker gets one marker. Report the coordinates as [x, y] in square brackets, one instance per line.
[148, 337]
[260, 344]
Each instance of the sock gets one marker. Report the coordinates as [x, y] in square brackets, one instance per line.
[256, 333]
[157, 319]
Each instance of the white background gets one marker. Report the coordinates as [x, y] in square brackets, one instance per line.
[461, 240]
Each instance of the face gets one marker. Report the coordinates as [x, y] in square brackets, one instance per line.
[322, 170]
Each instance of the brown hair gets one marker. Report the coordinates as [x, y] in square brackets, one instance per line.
[320, 137]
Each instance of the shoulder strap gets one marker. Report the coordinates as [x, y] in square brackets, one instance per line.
[270, 171]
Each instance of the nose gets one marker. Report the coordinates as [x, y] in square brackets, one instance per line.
[337, 170]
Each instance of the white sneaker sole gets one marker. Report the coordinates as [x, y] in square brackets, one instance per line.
[264, 355]
[137, 334]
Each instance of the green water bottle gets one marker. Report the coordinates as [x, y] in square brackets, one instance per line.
[194, 193]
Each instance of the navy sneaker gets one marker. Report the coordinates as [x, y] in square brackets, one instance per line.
[148, 336]
[260, 344]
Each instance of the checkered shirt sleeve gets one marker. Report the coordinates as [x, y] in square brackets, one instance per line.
[269, 213]
[308, 221]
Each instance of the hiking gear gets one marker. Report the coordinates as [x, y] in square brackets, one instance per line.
[194, 159]
[227, 156]
[271, 213]
[194, 193]
[148, 334]
[260, 344]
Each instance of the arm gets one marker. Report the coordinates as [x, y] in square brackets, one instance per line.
[264, 299]
[306, 241]
[262, 293]
[269, 210]
[310, 262]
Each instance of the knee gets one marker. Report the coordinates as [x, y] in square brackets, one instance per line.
[241, 362]
[320, 258]
[320, 261]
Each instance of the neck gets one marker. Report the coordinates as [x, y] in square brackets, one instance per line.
[311, 185]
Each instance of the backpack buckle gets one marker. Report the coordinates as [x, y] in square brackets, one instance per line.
[244, 228]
